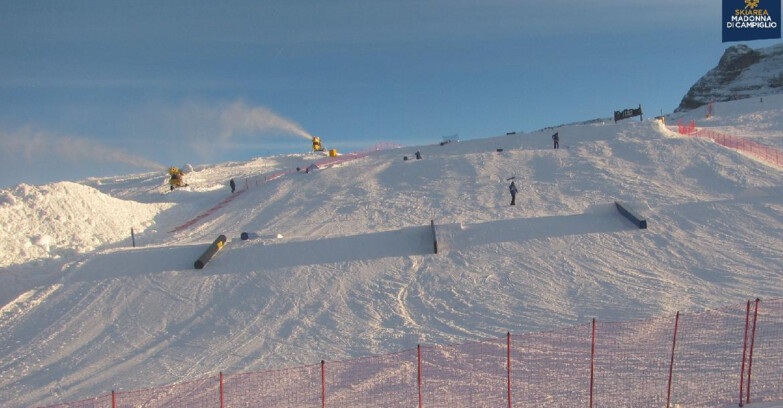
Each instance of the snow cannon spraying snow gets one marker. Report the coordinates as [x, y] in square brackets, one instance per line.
[317, 144]
[177, 178]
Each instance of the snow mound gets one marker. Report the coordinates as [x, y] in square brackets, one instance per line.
[47, 221]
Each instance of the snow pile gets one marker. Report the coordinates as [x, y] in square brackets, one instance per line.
[55, 219]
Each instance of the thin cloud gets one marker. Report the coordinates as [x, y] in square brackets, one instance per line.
[35, 145]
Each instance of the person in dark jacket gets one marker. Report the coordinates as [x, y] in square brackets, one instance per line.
[513, 189]
[233, 185]
[556, 139]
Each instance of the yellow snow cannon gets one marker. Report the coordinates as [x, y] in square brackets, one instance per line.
[317, 144]
[177, 178]
[333, 153]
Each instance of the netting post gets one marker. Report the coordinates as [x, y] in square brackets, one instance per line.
[744, 353]
[592, 366]
[671, 362]
[323, 384]
[418, 357]
[508, 365]
[113, 400]
[750, 356]
[221, 389]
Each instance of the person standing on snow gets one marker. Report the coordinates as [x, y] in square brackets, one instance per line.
[556, 139]
[233, 185]
[513, 189]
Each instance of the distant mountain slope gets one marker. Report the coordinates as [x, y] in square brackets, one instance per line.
[741, 73]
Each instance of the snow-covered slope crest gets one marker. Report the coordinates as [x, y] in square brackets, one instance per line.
[50, 220]
[742, 72]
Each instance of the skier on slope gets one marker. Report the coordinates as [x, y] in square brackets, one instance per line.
[513, 190]
[232, 185]
[556, 139]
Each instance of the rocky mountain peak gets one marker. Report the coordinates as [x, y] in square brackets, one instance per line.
[742, 72]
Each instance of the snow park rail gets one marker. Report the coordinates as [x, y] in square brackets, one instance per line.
[760, 151]
[720, 357]
[326, 162]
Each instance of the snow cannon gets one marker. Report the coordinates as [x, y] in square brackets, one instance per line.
[177, 178]
[317, 144]
[210, 252]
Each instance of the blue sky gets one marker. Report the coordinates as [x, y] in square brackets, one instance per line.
[98, 88]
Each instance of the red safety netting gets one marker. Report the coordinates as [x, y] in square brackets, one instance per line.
[379, 381]
[755, 149]
[95, 402]
[293, 387]
[632, 363]
[470, 375]
[764, 367]
[201, 393]
[714, 358]
[684, 129]
[708, 358]
[551, 368]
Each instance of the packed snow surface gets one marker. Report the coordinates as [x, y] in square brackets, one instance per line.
[341, 263]
[61, 218]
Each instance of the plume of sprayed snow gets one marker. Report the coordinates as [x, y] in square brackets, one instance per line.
[209, 129]
[203, 129]
[33, 145]
[239, 118]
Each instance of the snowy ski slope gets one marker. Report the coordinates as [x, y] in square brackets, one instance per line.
[343, 265]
